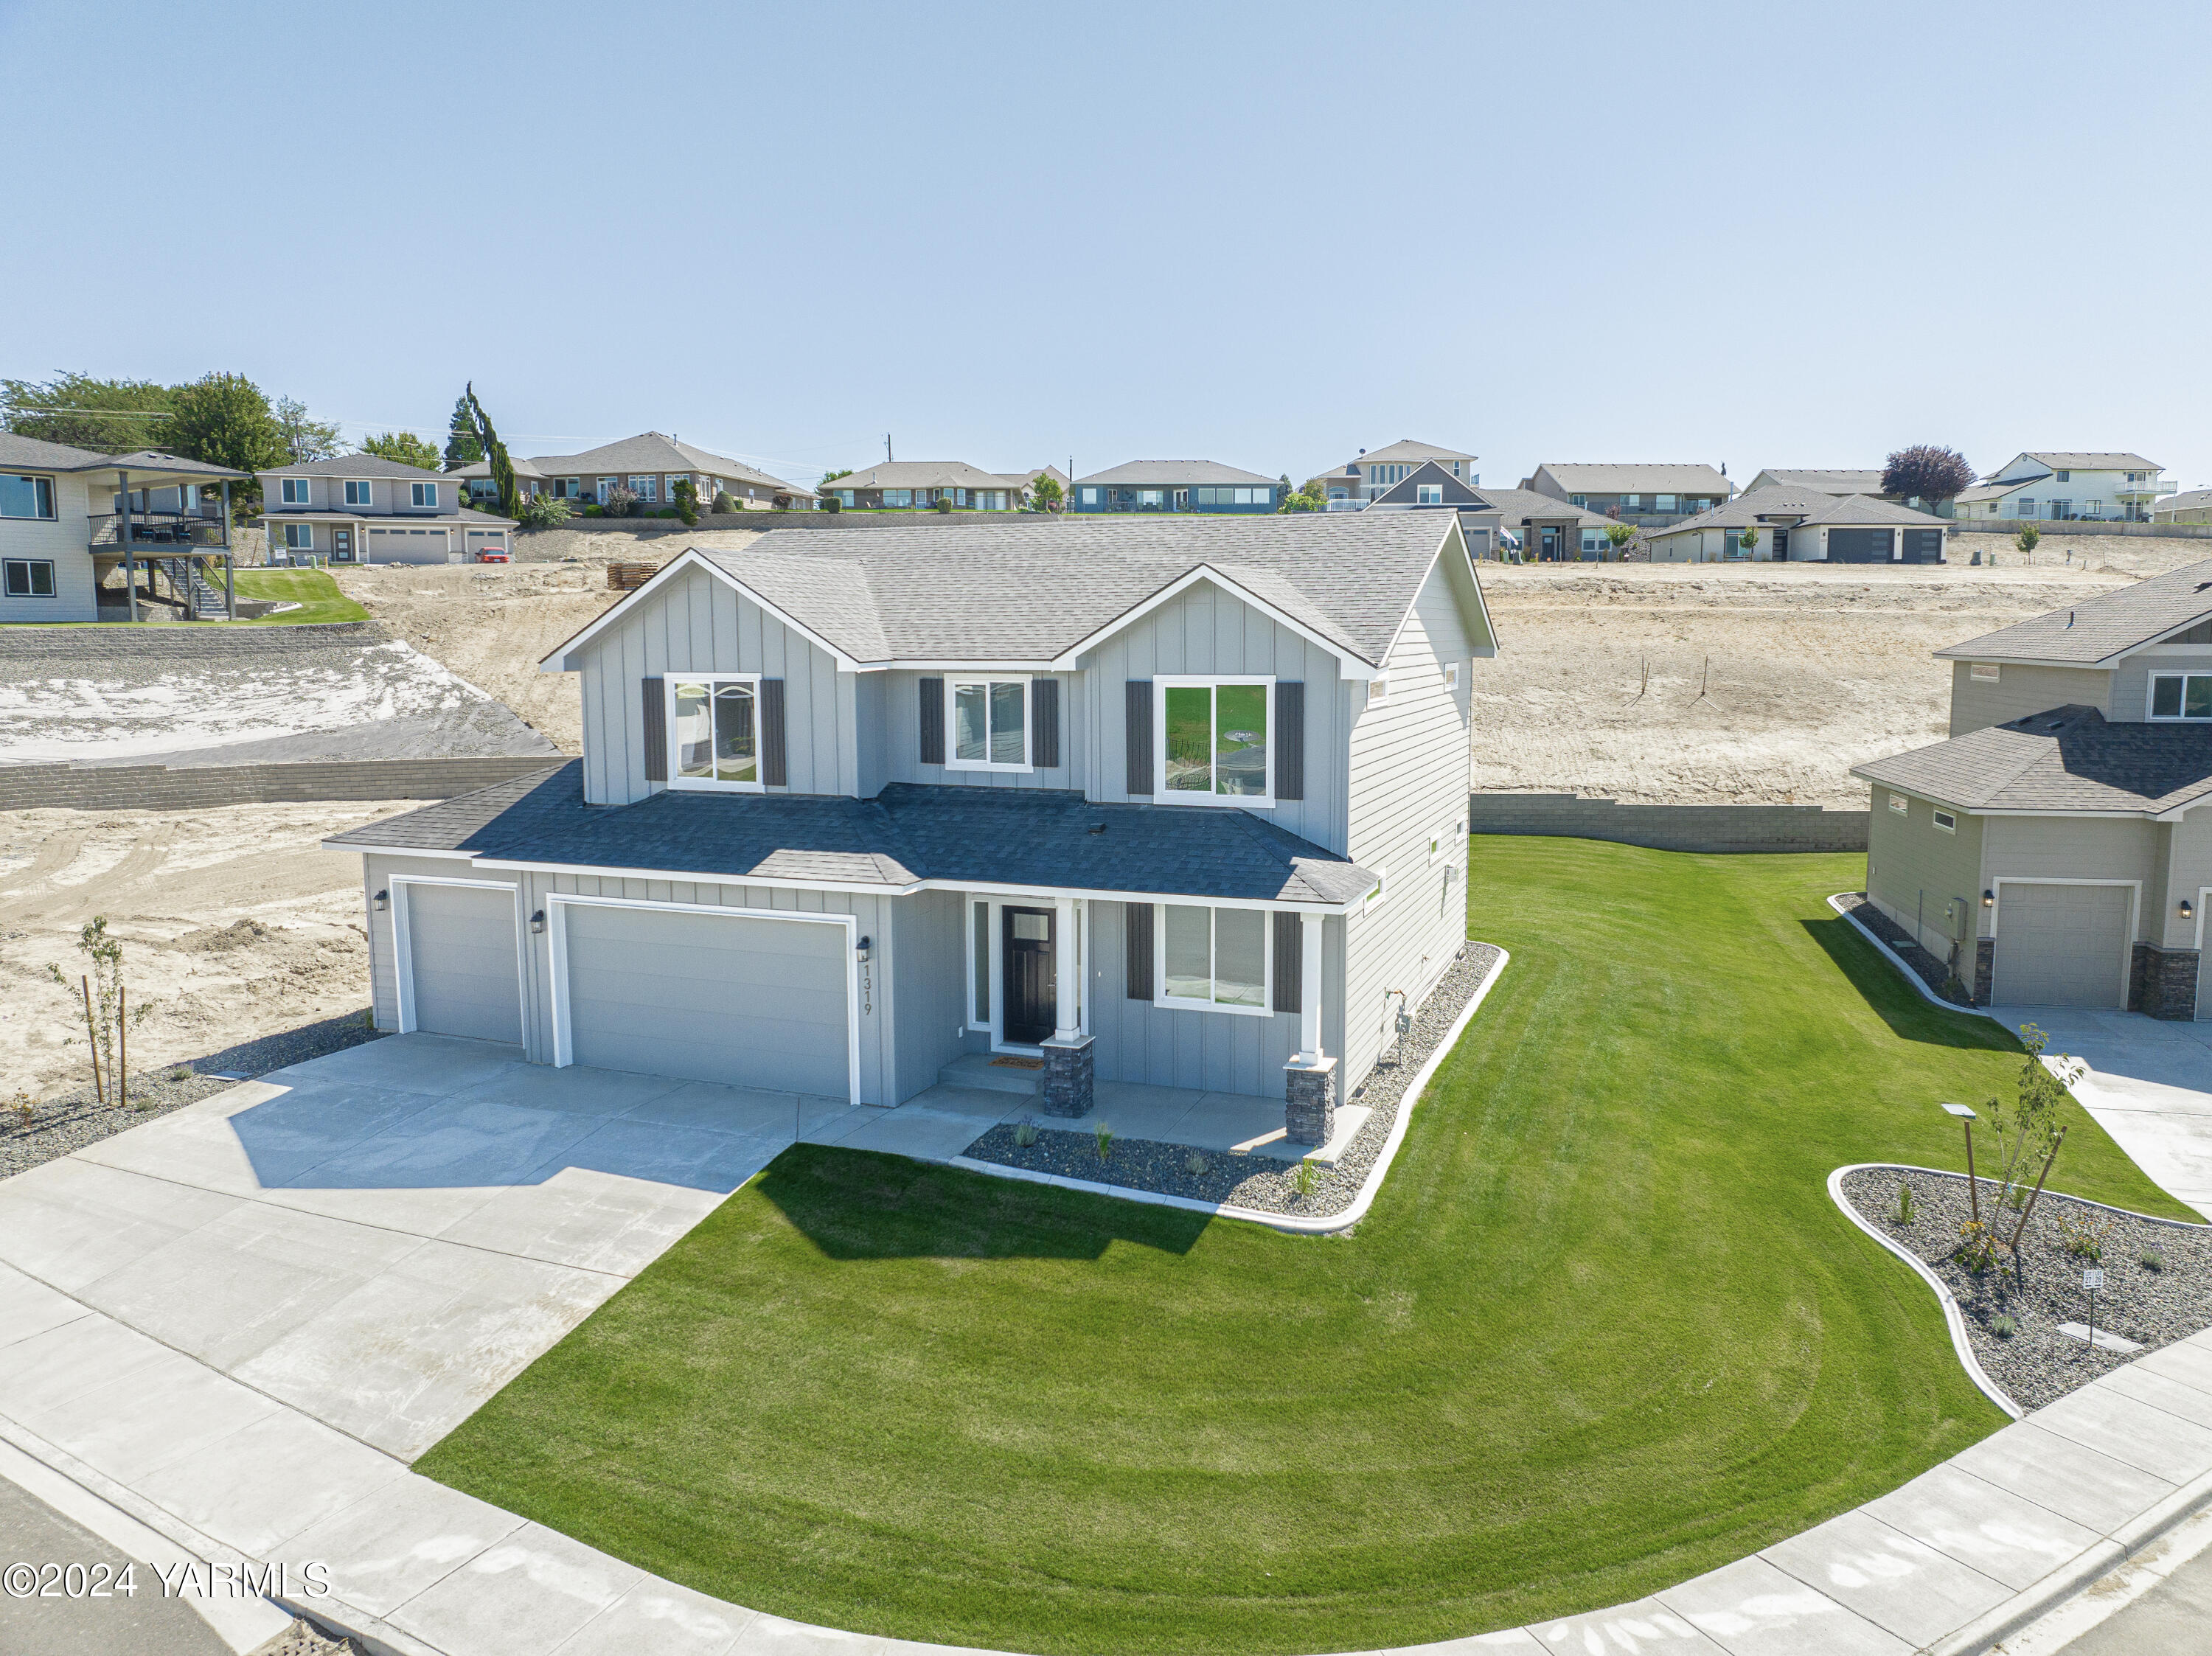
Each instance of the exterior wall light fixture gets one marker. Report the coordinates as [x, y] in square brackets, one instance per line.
[860, 950]
[2188, 909]
[383, 900]
[1989, 899]
[538, 923]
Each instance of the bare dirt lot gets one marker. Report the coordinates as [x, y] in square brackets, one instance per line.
[235, 924]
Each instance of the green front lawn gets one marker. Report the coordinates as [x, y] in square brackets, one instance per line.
[1602, 1330]
[311, 588]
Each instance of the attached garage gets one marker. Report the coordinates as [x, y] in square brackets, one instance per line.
[481, 541]
[461, 970]
[735, 997]
[2062, 944]
[383, 545]
[1860, 545]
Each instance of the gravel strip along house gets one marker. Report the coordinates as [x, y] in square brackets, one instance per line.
[1182, 805]
[2057, 849]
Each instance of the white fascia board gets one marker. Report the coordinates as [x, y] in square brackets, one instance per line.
[1961, 653]
[695, 876]
[1927, 798]
[394, 851]
[1350, 665]
[1451, 536]
[993, 888]
[560, 659]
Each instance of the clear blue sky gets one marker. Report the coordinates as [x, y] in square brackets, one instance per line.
[1270, 235]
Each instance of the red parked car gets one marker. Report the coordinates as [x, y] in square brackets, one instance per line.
[493, 555]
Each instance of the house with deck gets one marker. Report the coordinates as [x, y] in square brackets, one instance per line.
[1651, 495]
[363, 508]
[2062, 485]
[2056, 849]
[1183, 807]
[1368, 476]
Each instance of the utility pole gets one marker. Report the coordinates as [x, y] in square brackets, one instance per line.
[887, 448]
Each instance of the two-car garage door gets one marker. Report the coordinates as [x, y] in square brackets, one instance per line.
[2061, 945]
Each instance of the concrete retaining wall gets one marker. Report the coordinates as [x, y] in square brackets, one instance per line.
[2066, 526]
[188, 787]
[1670, 827]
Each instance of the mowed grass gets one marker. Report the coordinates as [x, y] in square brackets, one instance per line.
[1602, 1330]
[311, 588]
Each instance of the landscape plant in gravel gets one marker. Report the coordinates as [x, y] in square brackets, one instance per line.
[2028, 1133]
[103, 999]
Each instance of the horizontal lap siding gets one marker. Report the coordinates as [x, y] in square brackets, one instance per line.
[2076, 848]
[1976, 704]
[1208, 631]
[901, 727]
[1410, 774]
[60, 540]
[1914, 868]
[2131, 691]
[699, 625]
[927, 964]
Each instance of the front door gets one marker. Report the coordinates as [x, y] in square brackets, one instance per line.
[1550, 546]
[1031, 1005]
[341, 546]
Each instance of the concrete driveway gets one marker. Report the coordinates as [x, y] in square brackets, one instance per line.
[383, 1238]
[2149, 1085]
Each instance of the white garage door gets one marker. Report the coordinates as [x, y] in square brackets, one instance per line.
[405, 545]
[460, 949]
[2061, 945]
[733, 998]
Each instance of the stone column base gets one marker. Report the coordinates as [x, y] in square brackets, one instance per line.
[1309, 1101]
[2162, 982]
[1067, 1066]
[1986, 968]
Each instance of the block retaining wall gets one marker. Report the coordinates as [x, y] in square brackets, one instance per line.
[190, 787]
[1670, 827]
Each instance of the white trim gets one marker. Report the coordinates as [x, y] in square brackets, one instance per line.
[349, 485]
[1166, 1002]
[1163, 682]
[1352, 665]
[403, 951]
[708, 784]
[952, 684]
[2150, 695]
[1998, 883]
[557, 903]
[1943, 827]
[1475, 580]
[556, 660]
[1378, 894]
[968, 904]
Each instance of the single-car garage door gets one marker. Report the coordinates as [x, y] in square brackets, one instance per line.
[462, 967]
[2061, 945]
[737, 998]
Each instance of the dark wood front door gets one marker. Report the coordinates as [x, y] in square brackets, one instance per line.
[1031, 1005]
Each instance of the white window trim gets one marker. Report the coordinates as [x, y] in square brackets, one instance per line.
[1176, 1002]
[305, 530]
[1899, 805]
[1451, 675]
[1946, 823]
[367, 490]
[28, 566]
[1162, 683]
[415, 492]
[285, 496]
[1381, 895]
[1440, 845]
[1983, 672]
[1378, 691]
[712, 681]
[2150, 697]
[952, 762]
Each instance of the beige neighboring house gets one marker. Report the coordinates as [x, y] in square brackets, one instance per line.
[1802, 526]
[363, 508]
[1650, 496]
[2060, 486]
[1369, 476]
[649, 465]
[917, 485]
[2056, 850]
[2192, 505]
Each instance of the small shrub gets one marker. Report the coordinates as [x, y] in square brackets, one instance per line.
[620, 503]
[1305, 1178]
[2083, 1237]
[2029, 534]
[1025, 1135]
[23, 1107]
[594, 510]
[668, 511]
[721, 503]
[1104, 1135]
[182, 1072]
[542, 512]
[2017, 1198]
[2151, 1259]
[2002, 1327]
[1195, 1165]
[944, 503]
[1978, 1245]
[1904, 1209]
[830, 503]
[686, 497]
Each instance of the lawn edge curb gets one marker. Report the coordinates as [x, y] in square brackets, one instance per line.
[1836, 902]
[1954, 1319]
[1320, 1224]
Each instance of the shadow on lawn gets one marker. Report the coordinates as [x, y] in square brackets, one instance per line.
[1897, 1001]
[858, 1204]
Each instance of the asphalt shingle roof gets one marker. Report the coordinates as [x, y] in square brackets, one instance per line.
[921, 474]
[37, 451]
[649, 453]
[2097, 629]
[2084, 461]
[1812, 506]
[906, 834]
[1605, 477]
[1174, 474]
[1827, 483]
[1406, 449]
[2189, 500]
[1520, 505]
[2068, 759]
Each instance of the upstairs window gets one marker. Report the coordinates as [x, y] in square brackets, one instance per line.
[1430, 494]
[990, 720]
[292, 491]
[1213, 959]
[713, 733]
[27, 497]
[424, 493]
[357, 492]
[1985, 672]
[2064, 476]
[2181, 696]
[1211, 741]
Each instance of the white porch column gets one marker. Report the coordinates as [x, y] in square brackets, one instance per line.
[1310, 931]
[1068, 984]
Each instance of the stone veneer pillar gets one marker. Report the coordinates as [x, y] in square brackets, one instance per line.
[1986, 968]
[1067, 1068]
[2162, 982]
[1309, 1101]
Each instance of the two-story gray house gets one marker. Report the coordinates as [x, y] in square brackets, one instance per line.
[363, 508]
[1182, 805]
[2057, 849]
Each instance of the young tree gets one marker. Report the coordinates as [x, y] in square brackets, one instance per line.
[1045, 494]
[108, 416]
[1926, 471]
[304, 439]
[687, 501]
[1619, 535]
[404, 447]
[1748, 541]
[2025, 540]
[224, 420]
[462, 447]
[502, 469]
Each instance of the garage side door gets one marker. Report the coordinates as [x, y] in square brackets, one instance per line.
[2061, 945]
[460, 942]
[733, 998]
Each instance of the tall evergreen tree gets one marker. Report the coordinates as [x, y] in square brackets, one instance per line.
[404, 447]
[502, 469]
[463, 447]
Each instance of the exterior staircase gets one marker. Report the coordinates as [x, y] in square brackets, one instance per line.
[205, 597]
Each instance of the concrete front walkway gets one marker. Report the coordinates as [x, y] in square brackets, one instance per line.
[2149, 1086]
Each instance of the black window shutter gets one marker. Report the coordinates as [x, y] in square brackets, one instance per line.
[656, 732]
[1289, 959]
[775, 764]
[1290, 740]
[1139, 739]
[1137, 921]
[1044, 723]
[932, 720]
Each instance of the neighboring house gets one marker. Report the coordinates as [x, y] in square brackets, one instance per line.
[1174, 486]
[1803, 526]
[1026, 481]
[1548, 530]
[363, 508]
[2058, 848]
[2056, 487]
[1356, 482]
[916, 485]
[75, 525]
[1186, 808]
[649, 465]
[2192, 505]
[1819, 482]
[1649, 495]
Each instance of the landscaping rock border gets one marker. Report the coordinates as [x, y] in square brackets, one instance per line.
[2036, 1364]
[1261, 1183]
[1930, 970]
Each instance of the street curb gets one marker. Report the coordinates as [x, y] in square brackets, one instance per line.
[1320, 1224]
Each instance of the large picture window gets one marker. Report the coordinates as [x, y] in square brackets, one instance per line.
[1213, 959]
[713, 733]
[2181, 696]
[27, 497]
[989, 718]
[1212, 741]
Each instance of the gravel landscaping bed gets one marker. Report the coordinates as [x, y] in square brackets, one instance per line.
[1931, 971]
[1254, 1181]
[2151, 1305]
[73, 1119]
